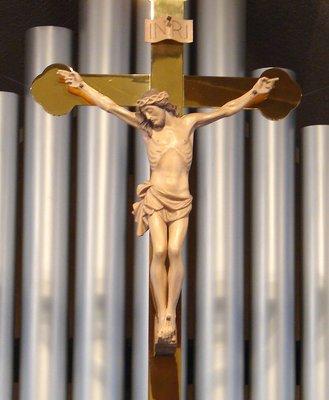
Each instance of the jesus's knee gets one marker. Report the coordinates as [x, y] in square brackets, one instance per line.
[174, 252]
[159, 251]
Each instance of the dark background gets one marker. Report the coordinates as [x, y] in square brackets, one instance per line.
[284, 33]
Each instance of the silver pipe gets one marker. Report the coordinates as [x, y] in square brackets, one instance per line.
[102, 175]
[219, 200]
[8, 160]
[140, 348]
[45, 236]
[273, 344]
[316, 262]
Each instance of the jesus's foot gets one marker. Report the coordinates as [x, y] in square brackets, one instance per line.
[166, 338]
[158, 323]
[167, 330]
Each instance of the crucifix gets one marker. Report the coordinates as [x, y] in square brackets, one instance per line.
[160, 97]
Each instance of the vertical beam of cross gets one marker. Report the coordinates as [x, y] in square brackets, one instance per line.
[167, 74]
[167, 56]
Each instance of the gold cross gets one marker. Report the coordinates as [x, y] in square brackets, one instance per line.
[184, 90]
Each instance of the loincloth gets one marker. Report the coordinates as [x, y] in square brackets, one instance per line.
[171, 206]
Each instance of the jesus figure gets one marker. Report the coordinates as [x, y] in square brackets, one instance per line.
[165, 200]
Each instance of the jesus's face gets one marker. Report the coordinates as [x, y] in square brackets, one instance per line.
[156, 115]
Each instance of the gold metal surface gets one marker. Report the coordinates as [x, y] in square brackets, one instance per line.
[164, 371]
[200, 91]
[167, 7]
[285, 97]
[167, 56]
[210, 91]
[54, 97]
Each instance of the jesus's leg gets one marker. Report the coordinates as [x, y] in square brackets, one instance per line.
[177, 233]
[158, 273]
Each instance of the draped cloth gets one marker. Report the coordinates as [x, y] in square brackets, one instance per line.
[171, 206]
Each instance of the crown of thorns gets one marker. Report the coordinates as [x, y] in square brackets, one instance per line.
[154, 98]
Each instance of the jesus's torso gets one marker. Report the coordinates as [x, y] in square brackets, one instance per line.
[170, 154]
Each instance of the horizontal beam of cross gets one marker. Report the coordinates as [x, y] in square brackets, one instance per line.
[199, 91]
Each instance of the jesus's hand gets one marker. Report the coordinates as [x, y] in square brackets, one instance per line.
[264, 85]
[72, 78]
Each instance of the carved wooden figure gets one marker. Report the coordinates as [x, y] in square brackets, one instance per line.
[165, 200]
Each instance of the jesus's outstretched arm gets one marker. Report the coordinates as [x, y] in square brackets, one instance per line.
[77, 86]
[258, 93]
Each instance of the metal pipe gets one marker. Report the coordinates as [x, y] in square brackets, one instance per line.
[219, 201]
[45, 235]
[101, 214]
[273, 344]
[140, 350]
[315, 262]
[8, 170]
